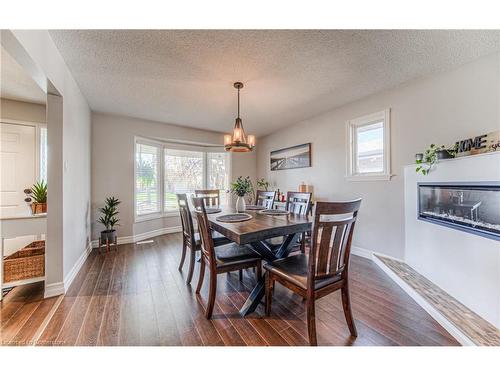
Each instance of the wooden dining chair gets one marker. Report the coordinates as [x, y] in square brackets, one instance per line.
[211, 198]
[265, 198]
[191, 239]
[220, 259]
[300, 204]
[326, 268]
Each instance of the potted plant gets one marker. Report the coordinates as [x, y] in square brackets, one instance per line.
[241, 187]
[432, 155]
[37, 197]
[109, 219]
[263, 184]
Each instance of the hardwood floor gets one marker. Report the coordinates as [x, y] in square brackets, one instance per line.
[136, 296]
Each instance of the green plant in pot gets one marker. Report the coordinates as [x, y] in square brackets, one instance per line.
[240, 188]
[263, 184]
[109, 219]
[36, 197]
[432, 155]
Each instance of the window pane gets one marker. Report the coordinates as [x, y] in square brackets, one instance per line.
[146, 179]
[43, 154]
[218, 173]
[370, 148]
[183, 174]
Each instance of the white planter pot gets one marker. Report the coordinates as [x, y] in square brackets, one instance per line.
[240, 204]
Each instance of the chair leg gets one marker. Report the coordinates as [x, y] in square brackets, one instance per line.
[183, 256]
[269, 293]
[240, 275]
[303, 243]
[191, 267]
[346, 304]
[258, 273]
[201, 277]
[311, 321]
[211, 295]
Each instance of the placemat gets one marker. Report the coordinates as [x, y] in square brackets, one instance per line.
[234, 218]
[210, 210]
[274, 212]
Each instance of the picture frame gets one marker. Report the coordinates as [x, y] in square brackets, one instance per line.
[298, 156]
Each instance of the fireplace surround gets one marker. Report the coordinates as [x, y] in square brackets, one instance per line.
[471, 207]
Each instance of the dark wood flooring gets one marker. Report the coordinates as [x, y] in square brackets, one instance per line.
[136, 296]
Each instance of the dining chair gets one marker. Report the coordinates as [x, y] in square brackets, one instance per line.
[211, 197]
[300, 204]
[190, 238]
[265, 198]
[326, 268]
[222, 259]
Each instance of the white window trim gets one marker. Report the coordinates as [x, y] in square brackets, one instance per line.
[351, 125]
[161, 173]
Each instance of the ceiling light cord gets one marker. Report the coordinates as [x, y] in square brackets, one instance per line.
[238, 102]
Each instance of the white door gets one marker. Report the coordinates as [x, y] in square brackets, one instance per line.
[18, 167]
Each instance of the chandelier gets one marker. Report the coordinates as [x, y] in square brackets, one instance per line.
[239, 141]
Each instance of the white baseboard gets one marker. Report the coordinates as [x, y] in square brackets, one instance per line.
[142, 236]
[54, 289]
[441, 319]
[68, 280]
[359, 251]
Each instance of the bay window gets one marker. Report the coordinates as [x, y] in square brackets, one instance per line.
[164, 169]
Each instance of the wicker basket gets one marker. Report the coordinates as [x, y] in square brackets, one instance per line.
[27, 263]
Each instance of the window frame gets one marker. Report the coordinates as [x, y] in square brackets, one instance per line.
[163, 145]
[351, 149]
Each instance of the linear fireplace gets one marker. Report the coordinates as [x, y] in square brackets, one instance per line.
[471, 207]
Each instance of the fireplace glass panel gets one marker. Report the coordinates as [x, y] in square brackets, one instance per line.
[473, 208]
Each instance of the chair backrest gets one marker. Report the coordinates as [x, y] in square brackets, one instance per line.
[186, 220]
[265, 198]
[207, 243]
[298, 203]
[331, 238]
[211, 198]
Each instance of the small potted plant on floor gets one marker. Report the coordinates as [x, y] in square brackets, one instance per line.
[240, 188]
[109, 219]
[36, 197]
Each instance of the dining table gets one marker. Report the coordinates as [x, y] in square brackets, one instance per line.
[256, 232]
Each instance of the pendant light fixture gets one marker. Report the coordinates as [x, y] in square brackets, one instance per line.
[239, 141]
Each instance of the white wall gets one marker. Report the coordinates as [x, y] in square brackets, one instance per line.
[113, 165]
[22, 111]
[465, 265]
[438, 109]
[69, 167]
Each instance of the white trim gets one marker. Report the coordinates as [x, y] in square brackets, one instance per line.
[431, 310]
[142, 236]
[351, 174]
[54, 289]
[68, 280]
[359, 251]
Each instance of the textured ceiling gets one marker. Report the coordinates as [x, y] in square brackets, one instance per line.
[185, 77]
[15, 83]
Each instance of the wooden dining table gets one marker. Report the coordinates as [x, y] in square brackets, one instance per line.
[255, 232]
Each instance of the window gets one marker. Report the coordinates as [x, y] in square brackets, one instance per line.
[368, 138]
[184, 169]
[43, 154]
[147, 189]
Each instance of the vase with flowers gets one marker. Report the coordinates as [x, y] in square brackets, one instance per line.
[241, 187]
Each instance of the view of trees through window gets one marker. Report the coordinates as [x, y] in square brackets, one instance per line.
[183, 171]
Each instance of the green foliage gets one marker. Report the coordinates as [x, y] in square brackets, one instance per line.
[39, 192]
[146, 173]
[263, 184]
[109, 213]
[242, 186]
[430, 158]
